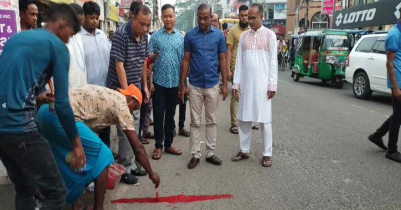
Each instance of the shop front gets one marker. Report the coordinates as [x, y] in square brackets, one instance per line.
[375, 16]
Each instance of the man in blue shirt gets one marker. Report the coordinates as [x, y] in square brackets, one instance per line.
[392, 124]
[28, 61]
[169, 44]
[204, 51]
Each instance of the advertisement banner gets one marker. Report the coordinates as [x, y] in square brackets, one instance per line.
[373, 14]
[113, 12]
[8, 25]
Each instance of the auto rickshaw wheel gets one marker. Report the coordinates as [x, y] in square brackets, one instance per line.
[339, 83]
[325, 81]
[296, 76]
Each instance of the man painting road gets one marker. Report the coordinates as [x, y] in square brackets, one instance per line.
[393, 51]
[204, 47]
[255, 77]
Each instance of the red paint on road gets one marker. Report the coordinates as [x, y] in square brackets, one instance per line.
[173, 199]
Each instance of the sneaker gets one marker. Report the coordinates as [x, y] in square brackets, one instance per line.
[129, 179]
[396, 156]
[378, 141]
[139, 172]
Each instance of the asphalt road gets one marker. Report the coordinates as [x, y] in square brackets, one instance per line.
[321, 158]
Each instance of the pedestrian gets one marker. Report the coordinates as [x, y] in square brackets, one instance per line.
[232, 47]
[96, 46]
[95, 108]
[204, 47]
[393, 51]
[77, 75]
[215, 20]
[111, 34]
[28, 13]
[28, 61]
[255, 77]
[146, 108]
[128, 53]
[168, 44]
[225, 29]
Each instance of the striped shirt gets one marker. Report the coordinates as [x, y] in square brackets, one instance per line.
[126, 49]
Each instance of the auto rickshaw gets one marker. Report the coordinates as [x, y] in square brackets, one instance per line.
[322, 55]
[292, 48]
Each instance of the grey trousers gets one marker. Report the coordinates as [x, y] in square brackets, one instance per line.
[127, 157]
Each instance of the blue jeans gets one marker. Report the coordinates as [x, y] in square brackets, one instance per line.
[29, 163]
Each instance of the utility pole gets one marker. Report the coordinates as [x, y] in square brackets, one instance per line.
[306, 15]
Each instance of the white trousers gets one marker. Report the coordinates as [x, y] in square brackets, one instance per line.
[245, 135]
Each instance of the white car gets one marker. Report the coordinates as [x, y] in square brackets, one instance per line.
[366, 69]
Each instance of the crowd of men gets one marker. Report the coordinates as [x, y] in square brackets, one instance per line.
[101, 82]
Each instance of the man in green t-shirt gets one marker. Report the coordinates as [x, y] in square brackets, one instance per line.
[232, 46]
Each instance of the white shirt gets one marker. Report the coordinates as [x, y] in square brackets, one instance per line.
[255, 74]
[77, 73]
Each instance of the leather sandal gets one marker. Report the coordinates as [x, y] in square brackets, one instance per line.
[240, 156]
[157, 154]
[172, 150]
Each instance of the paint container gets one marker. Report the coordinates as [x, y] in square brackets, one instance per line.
[52, 107]
[70, 158]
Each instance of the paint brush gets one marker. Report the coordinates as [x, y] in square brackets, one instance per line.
[157, 194]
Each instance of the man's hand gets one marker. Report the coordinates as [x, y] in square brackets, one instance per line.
[224, 91]
[152, 87]
[80, 159]
[182, 92]
[235, 92]
[152, 56]
[155, 179]
[397, 94]
[230, 75]
[271, 94]
[147, 95]
[44, 98]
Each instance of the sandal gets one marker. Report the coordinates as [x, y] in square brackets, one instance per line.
[149, 135]
[157, 154]
[172, 150]
[144, 141]
[240, 156]
[234, 129]
[266, 161]
[255, 127]
[183, 132]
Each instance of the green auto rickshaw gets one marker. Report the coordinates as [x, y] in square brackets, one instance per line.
[322, 55]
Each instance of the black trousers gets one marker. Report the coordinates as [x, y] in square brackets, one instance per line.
[182, 111]
[164, 104]
[105, 136]
[29, 162]
[392, 124]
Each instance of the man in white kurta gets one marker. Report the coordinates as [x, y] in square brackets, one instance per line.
[255, 78]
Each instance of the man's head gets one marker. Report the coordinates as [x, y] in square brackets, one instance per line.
[204, 17]
[243, 16]
[92, 13]
[224, 26]
[215, 20]
[80, 12]
[168, 16]
[111, 34]
[280, 38]
[134, 97]
[141, 19]
[63, 21]
[28, 12]
[255, 16]
[134, 4]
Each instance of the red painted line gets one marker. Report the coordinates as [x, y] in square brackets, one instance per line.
[173, 199]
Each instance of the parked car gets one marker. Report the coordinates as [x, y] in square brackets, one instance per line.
[366, 68]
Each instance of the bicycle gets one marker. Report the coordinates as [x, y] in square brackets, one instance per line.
[281, 61]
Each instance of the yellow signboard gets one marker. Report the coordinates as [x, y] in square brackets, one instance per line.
[63, 1]
[113, 12]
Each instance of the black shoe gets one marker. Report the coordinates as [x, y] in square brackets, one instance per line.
[214, 160]
[129, 179]
[377, 141]
[193, 163]
[396, 156]
[139, 172]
